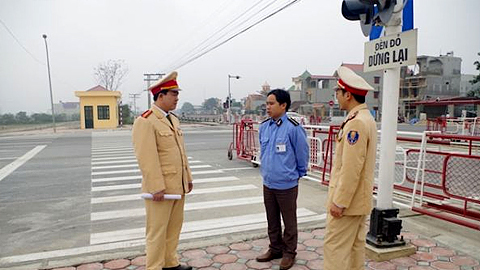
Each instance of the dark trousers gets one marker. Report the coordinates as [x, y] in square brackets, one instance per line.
[282, 202]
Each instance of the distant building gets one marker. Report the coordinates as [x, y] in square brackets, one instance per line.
[70, 109]
[255, 102]
[437, 77]
[99, 108]
[311, 94]
[465, 85]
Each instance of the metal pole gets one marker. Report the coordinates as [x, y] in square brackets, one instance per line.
[229, 102]
[149, 79]
[388, 139]
[50, 84]
[148, 93]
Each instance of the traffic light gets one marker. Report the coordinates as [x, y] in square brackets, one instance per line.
[227, 104]
[368, 12]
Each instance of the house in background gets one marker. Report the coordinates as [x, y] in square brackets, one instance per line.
[99, 108]
[70, 109]
[312, 94]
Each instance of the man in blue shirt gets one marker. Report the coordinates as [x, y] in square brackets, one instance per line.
[284, 159]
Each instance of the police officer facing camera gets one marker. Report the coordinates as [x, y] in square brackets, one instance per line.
[284, 159]
[351, 180]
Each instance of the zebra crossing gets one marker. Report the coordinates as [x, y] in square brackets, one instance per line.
[220, 203]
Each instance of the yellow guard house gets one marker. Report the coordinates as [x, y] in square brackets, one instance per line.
[98, 108]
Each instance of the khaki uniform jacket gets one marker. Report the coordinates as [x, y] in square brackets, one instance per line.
[160, 152]
[351, 182]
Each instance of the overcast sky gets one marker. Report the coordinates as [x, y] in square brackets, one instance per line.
[152, 36]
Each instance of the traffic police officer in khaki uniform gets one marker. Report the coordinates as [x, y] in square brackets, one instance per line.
[351, 182]
[160, 150]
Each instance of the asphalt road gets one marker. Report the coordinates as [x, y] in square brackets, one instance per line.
[79, 194]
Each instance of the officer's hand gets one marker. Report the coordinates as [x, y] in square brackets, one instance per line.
[336, 211]
[157, 197]
[190, 186]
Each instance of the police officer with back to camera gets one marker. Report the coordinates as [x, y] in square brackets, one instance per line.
[351, 183]
[160, 151]
[284, 159]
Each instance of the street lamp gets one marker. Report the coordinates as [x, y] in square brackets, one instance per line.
[50, 84]
[229, 99]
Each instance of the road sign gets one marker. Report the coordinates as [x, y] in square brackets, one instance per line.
[391, 51]
[330, 103]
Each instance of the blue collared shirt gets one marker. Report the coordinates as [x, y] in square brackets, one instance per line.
[284, 153]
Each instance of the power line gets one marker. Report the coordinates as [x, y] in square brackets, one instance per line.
[235, 35]
[19, 43]
[33, 56]
[218, 31]
[196, 31]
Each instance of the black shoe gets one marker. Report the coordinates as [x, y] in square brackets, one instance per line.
[179, 267]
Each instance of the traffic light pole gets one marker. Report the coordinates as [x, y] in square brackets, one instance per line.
[388, 138]
[384, 224]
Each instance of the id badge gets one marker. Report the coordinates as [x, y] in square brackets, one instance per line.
[281, 147]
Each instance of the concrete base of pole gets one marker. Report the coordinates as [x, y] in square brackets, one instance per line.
[385, 254]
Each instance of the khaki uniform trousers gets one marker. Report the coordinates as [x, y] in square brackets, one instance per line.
[344, 245]
[163, 225]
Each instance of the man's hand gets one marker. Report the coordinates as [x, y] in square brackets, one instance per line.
[336, 211]
[157, 197]
[190, 187]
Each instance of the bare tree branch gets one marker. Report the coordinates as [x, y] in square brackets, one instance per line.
[110, 74]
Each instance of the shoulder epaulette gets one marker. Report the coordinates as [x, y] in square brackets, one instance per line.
[268, 119]
[352, 116]
[146, 113]
[293, 121]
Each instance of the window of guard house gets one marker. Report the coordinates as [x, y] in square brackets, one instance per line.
[103, 112]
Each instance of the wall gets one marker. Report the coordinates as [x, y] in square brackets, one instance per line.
[95, 101]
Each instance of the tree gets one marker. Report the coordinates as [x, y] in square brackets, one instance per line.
[476, 81]
[7, 119]
[210, 104]
[40, 118]
[110, 74]
[22, 118]
[127, 114]
[187, 107]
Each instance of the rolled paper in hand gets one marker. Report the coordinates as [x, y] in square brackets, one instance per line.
[148, 196]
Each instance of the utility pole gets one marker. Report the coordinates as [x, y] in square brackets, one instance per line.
[50, 84]
[149, 77]
[134, 96]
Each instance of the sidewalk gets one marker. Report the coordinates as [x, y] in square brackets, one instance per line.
[241, 256]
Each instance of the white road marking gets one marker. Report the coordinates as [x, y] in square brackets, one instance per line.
[116, 172]
[115, 162]
[240, 168]
[222, 189]
[136, 197]
[206, 172]
[200, 166]
[215, 179]
[112, 150]
[208, 227]
[116, 187]
[105, 247]
[133, 165]
[113, 158]
[119, 178]
[135, 212]
[118, 153]
[8, 169]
